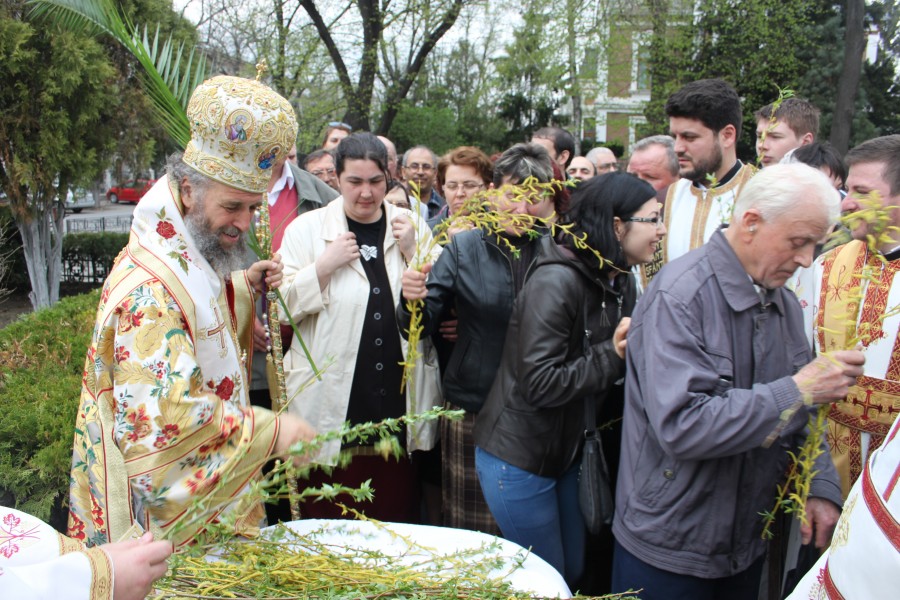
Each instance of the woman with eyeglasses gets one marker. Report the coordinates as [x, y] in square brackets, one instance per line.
[462, 173]
[529, 432]
[343, 265]
[478, 276]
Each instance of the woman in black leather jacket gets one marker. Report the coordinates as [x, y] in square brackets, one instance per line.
[529, 432]
[478, 276]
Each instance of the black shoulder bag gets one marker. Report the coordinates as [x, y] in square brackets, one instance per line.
[594, 492]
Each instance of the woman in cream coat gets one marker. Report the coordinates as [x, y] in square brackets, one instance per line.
[343, 265]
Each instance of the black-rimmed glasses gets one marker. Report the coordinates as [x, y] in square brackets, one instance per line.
[658, 221]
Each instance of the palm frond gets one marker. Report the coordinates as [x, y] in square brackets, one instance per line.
[166, 84]
[91, 18]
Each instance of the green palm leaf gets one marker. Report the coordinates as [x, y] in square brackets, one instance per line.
[167, 78]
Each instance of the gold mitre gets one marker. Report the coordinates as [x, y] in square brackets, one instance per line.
[239, 129]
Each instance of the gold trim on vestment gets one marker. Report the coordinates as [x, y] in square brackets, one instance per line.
[244, 313]
[873, 403]
[67, 544]
[704, 200]
[101, 574]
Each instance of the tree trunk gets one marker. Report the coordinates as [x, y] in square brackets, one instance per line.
[278, 73]
[398, 91]
[575, 91]
[42, 246]
[848, 84]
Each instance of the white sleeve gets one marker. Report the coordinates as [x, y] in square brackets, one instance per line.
[38, 563]
[66, 577]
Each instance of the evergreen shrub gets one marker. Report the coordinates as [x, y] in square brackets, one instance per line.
[41, 363]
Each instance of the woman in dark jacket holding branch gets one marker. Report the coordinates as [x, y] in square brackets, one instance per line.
[529, 432]
[478, 275]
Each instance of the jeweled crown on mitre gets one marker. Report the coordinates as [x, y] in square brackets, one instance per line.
[239, 129]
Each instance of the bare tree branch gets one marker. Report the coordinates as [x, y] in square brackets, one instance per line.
[401, 88]
[325, 35]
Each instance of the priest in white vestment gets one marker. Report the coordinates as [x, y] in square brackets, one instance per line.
[863, 561]
[835, 311]
[165, 436]
[705, 119]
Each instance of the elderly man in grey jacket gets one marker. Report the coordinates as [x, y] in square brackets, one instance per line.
[718, 391]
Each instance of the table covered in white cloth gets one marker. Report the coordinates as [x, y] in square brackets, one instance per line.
[417, 544]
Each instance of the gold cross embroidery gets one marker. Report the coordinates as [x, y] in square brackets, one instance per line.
[217, 331]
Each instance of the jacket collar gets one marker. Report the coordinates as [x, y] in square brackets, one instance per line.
[335, 223]
[555, 253]
[306, 189]
[493, 238]
[736, 285]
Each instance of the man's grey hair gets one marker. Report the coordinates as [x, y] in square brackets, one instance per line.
[177, 170]
[777, 189]
[666, 142]
[434, 157]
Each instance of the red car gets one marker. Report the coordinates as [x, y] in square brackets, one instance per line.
[130, 191]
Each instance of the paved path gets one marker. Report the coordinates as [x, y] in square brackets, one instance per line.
[109, 217]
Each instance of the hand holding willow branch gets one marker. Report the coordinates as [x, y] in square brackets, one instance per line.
[291, 430]
[413, 283]
[829, 377]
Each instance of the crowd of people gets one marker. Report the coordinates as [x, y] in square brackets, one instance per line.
[684, 299]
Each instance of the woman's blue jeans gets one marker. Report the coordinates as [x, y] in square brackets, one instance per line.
[537, 512]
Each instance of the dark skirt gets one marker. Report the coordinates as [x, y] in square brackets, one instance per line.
[394, 484]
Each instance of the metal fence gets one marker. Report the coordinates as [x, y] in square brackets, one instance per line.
[84, 271]
[80, 269]
[99, 225]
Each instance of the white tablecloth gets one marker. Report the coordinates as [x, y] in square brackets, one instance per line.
[534, 575]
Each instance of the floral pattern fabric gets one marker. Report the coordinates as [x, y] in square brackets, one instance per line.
[164, 418]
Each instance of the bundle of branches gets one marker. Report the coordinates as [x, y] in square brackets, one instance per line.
[318, 564]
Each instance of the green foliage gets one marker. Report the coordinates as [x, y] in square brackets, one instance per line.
[462, 79]
[101, 248]
[530, 74]
[753, 45]
[882, 92]
[760, 45]
[41, 364]
[430, 126]
[170, 71]
[57, 98]
[878, 97]
[58, 108]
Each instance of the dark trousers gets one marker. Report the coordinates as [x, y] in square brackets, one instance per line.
[629, 572]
